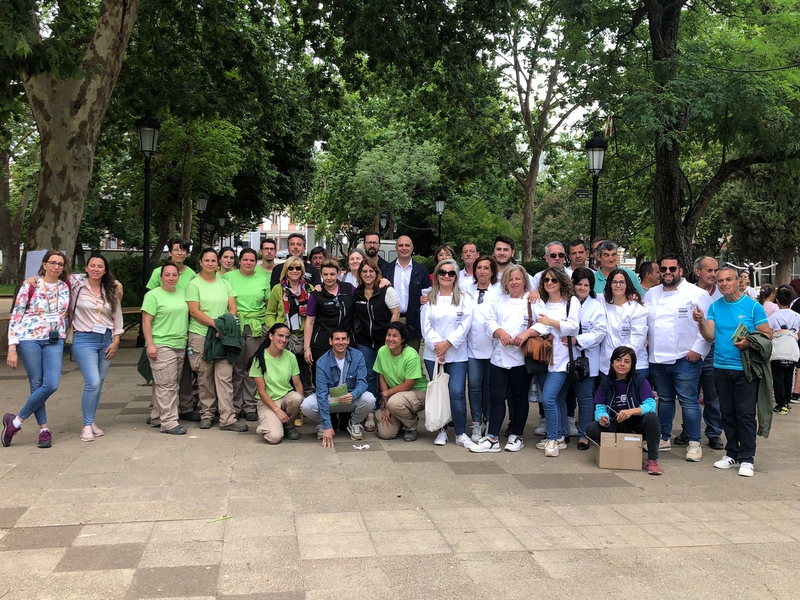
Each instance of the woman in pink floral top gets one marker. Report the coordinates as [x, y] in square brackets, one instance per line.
[36, 335]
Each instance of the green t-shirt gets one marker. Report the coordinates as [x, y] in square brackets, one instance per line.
[396, 369]
[183, 279]
[170, 317]
[213, 299]
[278, 378]
[251, 292]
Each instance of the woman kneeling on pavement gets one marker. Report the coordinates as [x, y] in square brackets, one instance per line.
[165, 324]
[402, 385]
[278, 386]
[624, 403]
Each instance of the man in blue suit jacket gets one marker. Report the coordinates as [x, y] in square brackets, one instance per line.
[409, 278]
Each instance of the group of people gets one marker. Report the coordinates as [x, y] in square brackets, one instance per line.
[299, 341]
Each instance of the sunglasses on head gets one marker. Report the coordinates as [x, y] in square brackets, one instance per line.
[447, 273]
[557, 255]
[672, 269]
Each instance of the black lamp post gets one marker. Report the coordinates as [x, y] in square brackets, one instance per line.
[202, 205]
[440, 200]
[147, 127]
[383, 220]
[222, 221]
[596, 153]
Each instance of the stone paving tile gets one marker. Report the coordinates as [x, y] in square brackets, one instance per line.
[362, 576]
[590, 515]
[393, 543]
[683, 534]
[572, 480]
[472, 539]
[477, 468]
[414, 457]
[259, 577]
[298, 595]
[261, 549]
[38, 562]
[560, 537]
[350, 545]
[748, 532]
[448, 518]
[183, 553]
[9, 516]
[488, 569]
[424, 570]
[178, 582]
[114, 533]
[619, 536]
[35, 538]
[397, 520]
[88, 585]
[101, 557]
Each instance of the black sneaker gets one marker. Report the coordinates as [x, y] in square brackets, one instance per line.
[410, 435]
[193, 416]
[290, 432]
[237, 426]
[251, 416]
[716, 443]
[177, 430]
[205, 423]
[681, 440]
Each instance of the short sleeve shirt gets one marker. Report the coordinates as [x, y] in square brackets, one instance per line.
[397, 369]
[727, 316]
[213, 299]
[183, 279]
[170, 317]
[278, 378]
[252, 291]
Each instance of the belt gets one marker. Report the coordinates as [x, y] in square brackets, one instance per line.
[403, 314]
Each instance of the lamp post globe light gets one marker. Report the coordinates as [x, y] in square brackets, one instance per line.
[440, 201]
[595, 152]
[202, 205]
[147, 127]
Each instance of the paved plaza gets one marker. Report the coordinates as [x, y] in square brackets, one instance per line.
[215, 514]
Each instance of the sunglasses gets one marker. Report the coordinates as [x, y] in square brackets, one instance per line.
[672, 269]
[447, 273]
[549, 280]
[557, 255]
[294, 268]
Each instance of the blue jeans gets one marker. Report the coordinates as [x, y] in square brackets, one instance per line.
[681, 380]
[458, 398]
[554, 401]
[711, 410]
[42, 361]
[478, 375]
[89, 350]
[584, 394]
[370, 354]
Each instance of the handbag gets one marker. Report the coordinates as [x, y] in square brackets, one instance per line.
[577, 368]
[538, 350]
[437, 400]
[784, 347]
[70, 332]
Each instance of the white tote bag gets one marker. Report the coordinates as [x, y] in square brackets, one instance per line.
[437, 399]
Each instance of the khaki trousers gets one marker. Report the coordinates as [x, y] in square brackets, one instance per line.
[166, 369]
[403, 408]
[269, 425]
[186, 393]
[214, 382]
[244, 388]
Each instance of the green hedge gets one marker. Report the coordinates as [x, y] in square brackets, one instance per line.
[128, 270]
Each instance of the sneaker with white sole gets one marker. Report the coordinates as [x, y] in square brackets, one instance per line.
[320, 431]
[746, 470]
[464, 441]
[551, 448]
[514, 444]
[486, 444]
[354, 429]
[441, 438]
[369, 424]
[541, 430]
[726, 462]
[477, 431]
[562, 444]
[694, 452]
[664, 445]
[571, 423]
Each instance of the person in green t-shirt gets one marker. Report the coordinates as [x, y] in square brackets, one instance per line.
[277, 379]
[209, 297]
[252, 293]
[165, 320]
[178, 251]
[402, 385]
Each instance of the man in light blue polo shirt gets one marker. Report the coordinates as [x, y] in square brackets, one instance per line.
[608, 262]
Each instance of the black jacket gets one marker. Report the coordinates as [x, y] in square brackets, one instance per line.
[420, 279]
[371, 318]
[332, 312]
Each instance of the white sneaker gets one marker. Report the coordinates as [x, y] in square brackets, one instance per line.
[486, 445]
[726, 462]
[694, 452]
[746, 470]
[551, 448]
[541, 430]
[477, 431]
[441, 438]
[572, 429]
[514, 444]
[354, 429]
[464, 441]
[562, 445]
[664, 445]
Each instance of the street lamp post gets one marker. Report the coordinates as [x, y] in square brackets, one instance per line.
[440, 200]
[202, 205]
[147, 127]
[222, 222]
[595, 152]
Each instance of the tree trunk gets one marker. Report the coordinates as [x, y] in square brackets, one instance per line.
[529, 202]
[783, 270]
[10, 223]
[69, 114]
[163, 235]
[186, 223]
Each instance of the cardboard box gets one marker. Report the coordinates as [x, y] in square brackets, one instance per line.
[619, 451]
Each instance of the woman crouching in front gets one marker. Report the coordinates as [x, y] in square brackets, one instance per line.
[624, 403]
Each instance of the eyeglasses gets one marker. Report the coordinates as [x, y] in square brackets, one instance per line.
[55, 263]
[549, 280]
[447, 273]
[618, 283]
[294, 268]
[372, 243]
[672, 269]
[557, 255]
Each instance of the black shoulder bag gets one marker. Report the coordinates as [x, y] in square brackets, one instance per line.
[577, 368]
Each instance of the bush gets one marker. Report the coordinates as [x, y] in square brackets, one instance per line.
[128, 270]
[428, 261]
[533, 266]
